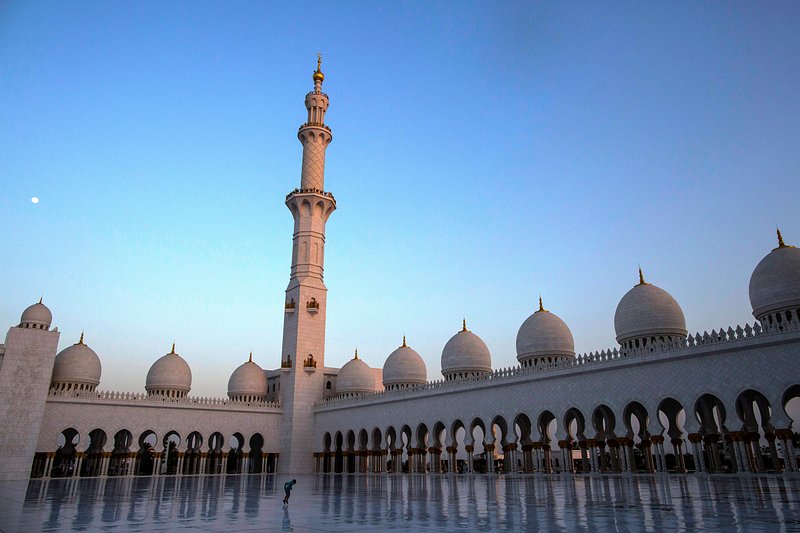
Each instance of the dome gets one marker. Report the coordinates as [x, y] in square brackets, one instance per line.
[78, 364]
[647, 311]
[775, 283]
[169, 373]
[404, 366]
[37, 316]
[248, 380]
[544, 334]
[465, 353]
[355, 377]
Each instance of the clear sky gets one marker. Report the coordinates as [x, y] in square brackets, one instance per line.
[482, 153]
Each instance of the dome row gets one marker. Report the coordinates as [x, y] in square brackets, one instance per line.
[645, 316]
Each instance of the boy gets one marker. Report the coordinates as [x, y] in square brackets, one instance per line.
[287, 488]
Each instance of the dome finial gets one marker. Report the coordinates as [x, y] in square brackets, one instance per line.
[80, 341]
[541, 307]
[40, 299]
[641, 276]
[318, 76]
[404, 342]
[356, 356]
[464, 325]
[251, 357]
[172, 352]
[781, 244]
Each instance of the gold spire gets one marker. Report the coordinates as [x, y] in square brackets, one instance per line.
[541, 307]
[251, 357]
[641, 277]
[404, 342]
[356, 356]
[80, 341]
[464, 325]
[172, 352]
[318, 75]
[781, 244]
[40, 297]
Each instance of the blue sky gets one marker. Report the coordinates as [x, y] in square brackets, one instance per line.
[482, 153]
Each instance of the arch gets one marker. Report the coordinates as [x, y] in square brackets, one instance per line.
[216, 443]
[191, 458]
[255, 465]
[120, 462]
[65, 457]
[363, 440]
[753, 410]
[479, 459]
[636, 420]
[338, 454]
[672, 411]
[327, 440]
[523, 428]
[575, 424]
[545, 426]
[235, 453]
[604, 421]
[438, 435]
[93, 461]
[791, 396]
[169, 458]
[422, 436]
[376, 440]
[710, 412]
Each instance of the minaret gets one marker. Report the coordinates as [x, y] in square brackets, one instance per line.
[304, 319]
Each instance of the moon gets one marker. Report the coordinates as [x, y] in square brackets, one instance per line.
[35, 200]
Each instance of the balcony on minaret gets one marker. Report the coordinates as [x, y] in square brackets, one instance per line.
[290, 306]
[286, 364]
[312, 306]
[310, 364]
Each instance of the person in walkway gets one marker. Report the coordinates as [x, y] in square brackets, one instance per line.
[287, 488]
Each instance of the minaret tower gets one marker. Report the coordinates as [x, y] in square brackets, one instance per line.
[303, 352]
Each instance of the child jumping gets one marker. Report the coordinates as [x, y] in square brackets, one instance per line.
[287, 488]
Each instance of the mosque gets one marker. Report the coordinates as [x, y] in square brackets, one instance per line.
[662, 401]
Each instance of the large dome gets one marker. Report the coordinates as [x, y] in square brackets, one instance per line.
[77, 365]
[544, 335]
[355, 377]
[248, 381]
[36, 316]
[775, 283]
[465, 354]
[648, 311]
[169, 374]
[404, 367]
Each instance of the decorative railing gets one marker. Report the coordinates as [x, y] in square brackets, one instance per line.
[315, 125]
[142, 397]
[309, 362]
[286, 363]
[290, 305]
[715, 337]
[311, 190]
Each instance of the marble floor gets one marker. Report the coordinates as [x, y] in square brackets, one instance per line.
[344, 503]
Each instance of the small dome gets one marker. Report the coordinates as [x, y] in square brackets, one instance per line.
[775, 283]
[404, 367]
[77, 364]
[465, 353]
[355, 377]
[36, 315]
[248, 380]
[544, 334]
[648, 311]
[169, 373]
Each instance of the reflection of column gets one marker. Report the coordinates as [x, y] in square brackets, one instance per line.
[548, 463]
[585, 467]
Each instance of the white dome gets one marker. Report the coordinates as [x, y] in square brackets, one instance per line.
[404, 366]
[465, 352]
[248, 380]
[775, 283]
[544, 334]
[169, 373]
[37, 315]
[77, 364]
[647, 311]
[355, 377]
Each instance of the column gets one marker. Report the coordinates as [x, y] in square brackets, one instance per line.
[470, 463]
[754, 439]
[547, 460]
[451, 459]
[527, 458]
[697, 449]
[788, 448]
[773, 452]
[680, 460]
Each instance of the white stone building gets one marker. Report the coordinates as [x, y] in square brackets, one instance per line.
[664, 400]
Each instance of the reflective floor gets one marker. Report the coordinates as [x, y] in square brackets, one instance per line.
[419, 502]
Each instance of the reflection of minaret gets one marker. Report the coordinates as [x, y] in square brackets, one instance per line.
[303, 353]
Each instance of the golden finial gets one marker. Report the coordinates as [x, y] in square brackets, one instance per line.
[172, 352]
[404, 342]
[356, 356]
[40, 297]
[251, 357]
[641, 276]
[781, 244]
[464, 325]
[541, 306]
[80, 341]
[318, 75]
